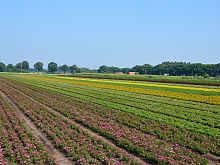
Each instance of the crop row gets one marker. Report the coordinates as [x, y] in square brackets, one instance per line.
[148, 99]
[155, 115]
[138, 89]
[160, 79]
[203, 117]
[144, 145]
[169, 110]
[191, 97]
[2, 161]
[17, 144]
[77, 144]
[191, 142]
[199, 142]
[135, 96]
[155, 86]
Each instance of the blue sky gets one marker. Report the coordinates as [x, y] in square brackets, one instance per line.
[112, 32]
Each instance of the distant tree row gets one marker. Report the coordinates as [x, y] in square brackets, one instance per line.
[52, 67]
[19, 67]
[170, 68]
[38, 67]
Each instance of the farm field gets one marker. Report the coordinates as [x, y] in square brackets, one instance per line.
[196, 80]
[103, 121]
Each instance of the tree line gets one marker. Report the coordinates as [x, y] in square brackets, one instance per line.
[170, 68]
[38, 67]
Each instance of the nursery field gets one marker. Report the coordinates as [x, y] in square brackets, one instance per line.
[103, 121]
[194, 80]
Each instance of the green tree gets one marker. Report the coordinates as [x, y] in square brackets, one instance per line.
[216, 70]
[2, 67]
[18, 67]
[137, 68]
[85, 70]
[64, 68]
[146, 69]
[108, 69]
[10, 68]
[38, 66]
[125, 70]
[25, 65]
[52, 67]
[103, 69]
[74, 69]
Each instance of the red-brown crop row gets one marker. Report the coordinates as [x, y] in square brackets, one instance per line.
[17, 144]
[77, 144]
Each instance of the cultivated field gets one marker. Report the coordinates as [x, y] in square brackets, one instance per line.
[52, 119]
[196, 80]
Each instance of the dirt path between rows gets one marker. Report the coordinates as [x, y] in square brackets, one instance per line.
[94, 134]
[59, 158]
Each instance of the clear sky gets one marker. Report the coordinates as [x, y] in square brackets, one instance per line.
[112, 32]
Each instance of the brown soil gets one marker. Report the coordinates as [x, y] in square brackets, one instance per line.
[40, 137]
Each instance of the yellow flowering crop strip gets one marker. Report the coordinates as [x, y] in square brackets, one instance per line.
[183, 96]
[142, 84]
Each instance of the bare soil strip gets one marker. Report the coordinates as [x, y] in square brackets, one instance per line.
[94, 134]
[57, 155]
